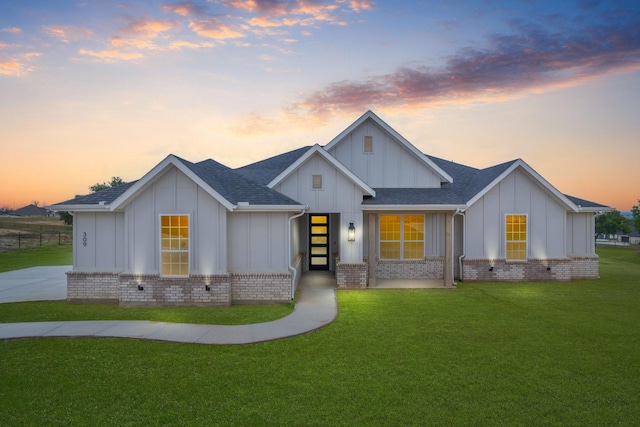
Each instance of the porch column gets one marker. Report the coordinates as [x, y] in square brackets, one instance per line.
[372, 250]
[448, 249]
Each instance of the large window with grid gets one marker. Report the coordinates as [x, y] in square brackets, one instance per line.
[401, 236]
[174, 245]
[516, 236]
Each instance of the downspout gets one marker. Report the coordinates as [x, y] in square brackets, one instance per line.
[292, 268]
[453, 244]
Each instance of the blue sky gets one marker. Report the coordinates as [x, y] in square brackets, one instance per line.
[92, 89]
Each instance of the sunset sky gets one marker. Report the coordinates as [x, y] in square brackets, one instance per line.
[95, 89]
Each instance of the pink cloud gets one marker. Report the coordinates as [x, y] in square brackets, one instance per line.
[179, 44]
[67, 32]
[14, 30]
[530, 61]
[110, 55]
[215, 29]
[118, 41]
[149, 28]
[16, 66]
[186, 8]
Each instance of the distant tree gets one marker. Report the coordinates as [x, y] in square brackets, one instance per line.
[35, 203]
[611, 223]
[115, 181]
[66, 217]
[635, 211]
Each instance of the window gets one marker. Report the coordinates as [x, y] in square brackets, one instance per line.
[174, 245]
[516, 235]
[401, 236]
[316, 182]
[368, 144]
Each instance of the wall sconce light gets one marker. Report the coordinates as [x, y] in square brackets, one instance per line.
[351, 236]
[548, 268]
[491, 268]
[140, 288]
[207, 288]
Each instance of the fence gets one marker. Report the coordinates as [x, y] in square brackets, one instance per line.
[12, 241]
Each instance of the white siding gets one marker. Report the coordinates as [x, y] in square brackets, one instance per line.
[174, 193]
[259, 242]
[390, 165]
[581, 234]
[338, 195]
[517, 193]
[98, 241]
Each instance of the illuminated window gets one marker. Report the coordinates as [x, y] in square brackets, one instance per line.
[174, 245]
[516, 236]
[401, 236]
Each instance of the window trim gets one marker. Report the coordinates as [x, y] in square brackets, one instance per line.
[313, 182]
[526, 242]
[161, 251]
[364, 144]
[402, 240]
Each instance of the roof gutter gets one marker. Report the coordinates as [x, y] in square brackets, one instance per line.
[464, 240]
[292, 268]
[372, 207]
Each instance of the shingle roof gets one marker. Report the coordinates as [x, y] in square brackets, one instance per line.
[585, 203]
[107, 195]
[234, 187]
[467, 182]
[248, 184]
[264, 171]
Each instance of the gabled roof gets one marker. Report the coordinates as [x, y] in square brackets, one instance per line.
[519, 163]
[369, 115]
[229, 188]
[317, 150]
[264, 171]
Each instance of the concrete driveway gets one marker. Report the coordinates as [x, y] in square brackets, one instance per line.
[34, 284]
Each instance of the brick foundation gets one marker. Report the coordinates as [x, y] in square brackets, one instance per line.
[166, 291]
[585, 267]
[419, 269]
[351, 276]
[195, 290]
[483, 270]
[93, 287]
[256, 288]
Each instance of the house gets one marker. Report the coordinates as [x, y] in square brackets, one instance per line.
[368, 205]
[32, 210]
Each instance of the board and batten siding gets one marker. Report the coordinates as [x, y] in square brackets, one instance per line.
[258, 242]
[338, 195]
[581, 234]
[98, 241]
[517, 193]
[175, 193]
[390, 165]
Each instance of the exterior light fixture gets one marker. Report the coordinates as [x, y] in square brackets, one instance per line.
[351, 236]
[491, 268]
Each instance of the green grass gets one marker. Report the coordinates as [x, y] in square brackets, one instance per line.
[50, 311]
[484, 354]
[45, 255]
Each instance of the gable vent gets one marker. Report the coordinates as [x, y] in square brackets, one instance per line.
[316, 182]
[368, 144]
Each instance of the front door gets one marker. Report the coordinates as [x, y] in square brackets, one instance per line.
[318, 242]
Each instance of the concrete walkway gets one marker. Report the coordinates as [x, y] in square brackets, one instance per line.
[316, 307]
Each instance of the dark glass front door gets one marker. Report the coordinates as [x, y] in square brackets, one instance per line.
[318, 242]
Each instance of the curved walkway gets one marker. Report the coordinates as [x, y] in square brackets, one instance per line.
[316, 307]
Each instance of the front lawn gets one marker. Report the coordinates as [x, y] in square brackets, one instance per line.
[484, 354]
[45, 255]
